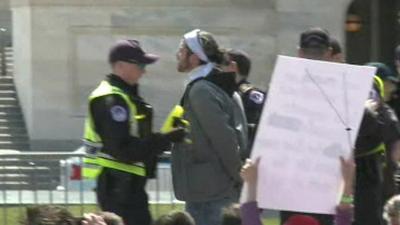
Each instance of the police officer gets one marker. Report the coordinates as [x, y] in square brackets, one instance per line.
[252, 97]
[375, 147]
[120, 145]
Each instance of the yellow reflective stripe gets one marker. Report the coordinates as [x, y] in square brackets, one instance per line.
[90, 160]
[140, 171]
[140, 117]
[379, 82]
[91, 173]
[379, 149]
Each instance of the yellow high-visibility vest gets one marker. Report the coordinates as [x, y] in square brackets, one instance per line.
[381, 148]
[379, 83]
[95, 159]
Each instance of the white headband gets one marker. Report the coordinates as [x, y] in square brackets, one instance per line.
[192, 40]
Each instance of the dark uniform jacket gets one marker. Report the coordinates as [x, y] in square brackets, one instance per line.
[374, 171]
[253, 101]
[111, 119]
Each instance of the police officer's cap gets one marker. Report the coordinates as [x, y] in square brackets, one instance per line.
[130, 51]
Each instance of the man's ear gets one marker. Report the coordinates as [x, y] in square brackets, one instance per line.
[194, 60]
[328, 54]
[300, 53]
[234, 67]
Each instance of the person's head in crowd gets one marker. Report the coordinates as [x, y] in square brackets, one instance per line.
[198, 48]
[337, 53]
[175, 218]
[111, 218]
[397, 59]
[239, 62]
[315, 44]
[231, 215]
[301, 220]
[388, 77]
[129, 61]
[391, 211]
[48, 215]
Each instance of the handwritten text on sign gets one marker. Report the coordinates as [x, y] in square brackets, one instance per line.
[312, 117]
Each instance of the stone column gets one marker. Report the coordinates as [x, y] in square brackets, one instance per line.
[61, 52]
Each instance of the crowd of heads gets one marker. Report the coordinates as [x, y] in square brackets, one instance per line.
[59, 215]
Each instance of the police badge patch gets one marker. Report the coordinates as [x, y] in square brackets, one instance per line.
[119, 113]
[257, 97]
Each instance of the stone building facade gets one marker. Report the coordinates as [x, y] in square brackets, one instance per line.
[61, 49]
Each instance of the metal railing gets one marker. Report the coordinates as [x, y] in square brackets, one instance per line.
[28, 178]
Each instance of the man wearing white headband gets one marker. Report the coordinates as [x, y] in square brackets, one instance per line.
[206, 169]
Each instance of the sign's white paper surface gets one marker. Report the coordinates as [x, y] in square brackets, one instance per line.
[302, 132]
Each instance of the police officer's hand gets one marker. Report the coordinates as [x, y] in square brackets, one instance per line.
[176, 135]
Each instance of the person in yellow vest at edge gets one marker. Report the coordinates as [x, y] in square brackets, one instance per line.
[121, 149]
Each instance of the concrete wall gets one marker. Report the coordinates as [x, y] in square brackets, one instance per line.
[5, 22]
[61, 49]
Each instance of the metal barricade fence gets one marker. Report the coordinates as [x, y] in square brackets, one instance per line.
[28, 178]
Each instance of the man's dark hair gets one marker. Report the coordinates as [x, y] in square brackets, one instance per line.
[211, 48]
[231, 215]
[242, 60]
[175, 218]
[314, 42]
[48, 215]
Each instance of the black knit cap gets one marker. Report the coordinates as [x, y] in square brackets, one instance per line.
[130, 51]
[384, 72]
[242, 60]
[315, 38]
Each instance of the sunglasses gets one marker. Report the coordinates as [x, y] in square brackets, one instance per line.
[142, 66]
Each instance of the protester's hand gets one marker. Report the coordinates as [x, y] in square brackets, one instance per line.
[249, 171]
[348, 169]
[348, 172]
[176, 135]
[249, 175]
[92, 219]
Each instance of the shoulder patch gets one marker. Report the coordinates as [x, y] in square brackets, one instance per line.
[256, 96]
[119, 113]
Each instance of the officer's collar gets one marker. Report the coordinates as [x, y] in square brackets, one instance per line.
[244, 81]
[118, 82]
[224, 80]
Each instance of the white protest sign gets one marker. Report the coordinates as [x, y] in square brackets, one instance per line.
[312, 116]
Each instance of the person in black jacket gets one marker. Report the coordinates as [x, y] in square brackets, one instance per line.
[119, 138]
[252, 97]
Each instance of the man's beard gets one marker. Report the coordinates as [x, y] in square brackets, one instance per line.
[183, 66]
